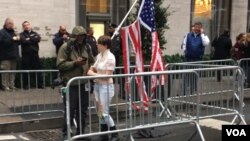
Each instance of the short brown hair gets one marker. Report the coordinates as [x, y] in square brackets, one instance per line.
[104, 40]
[25, 22]
[198, 23]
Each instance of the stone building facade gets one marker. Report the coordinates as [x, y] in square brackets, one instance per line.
[47, 15]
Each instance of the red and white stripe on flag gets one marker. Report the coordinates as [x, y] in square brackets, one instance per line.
[132, 33]
[156, 62]
[126, 57]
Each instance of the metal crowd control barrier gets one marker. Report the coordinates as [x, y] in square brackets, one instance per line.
[32, 94]
[230, 86]
[245, 65]
[204, 98]
[226, 62]
[218, 75]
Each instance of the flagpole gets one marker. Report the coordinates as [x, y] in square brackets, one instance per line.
[120, 25]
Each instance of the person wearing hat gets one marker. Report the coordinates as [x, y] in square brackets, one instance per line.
[74, 59]
[116, 46]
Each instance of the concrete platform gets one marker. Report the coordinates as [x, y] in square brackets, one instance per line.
[210, 127]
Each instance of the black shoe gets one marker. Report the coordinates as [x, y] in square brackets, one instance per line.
[247, 85]
[114, 136]
[104, 127]
[40, 87]
[25, 87]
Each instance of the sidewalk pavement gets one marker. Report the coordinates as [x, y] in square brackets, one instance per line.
[211, 129]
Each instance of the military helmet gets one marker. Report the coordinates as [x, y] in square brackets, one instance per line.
[78, 30]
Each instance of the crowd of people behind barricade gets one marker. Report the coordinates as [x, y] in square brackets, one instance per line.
[29, 40]
[78, 54]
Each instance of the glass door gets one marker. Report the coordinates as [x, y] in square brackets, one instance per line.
[99, 28]
[215, 15]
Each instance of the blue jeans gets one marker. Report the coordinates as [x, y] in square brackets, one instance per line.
[103, 96]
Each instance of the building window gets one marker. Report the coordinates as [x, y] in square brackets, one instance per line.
[215, 15]
[99, 28]
[203, 9]
[99, 13]
[98, 6]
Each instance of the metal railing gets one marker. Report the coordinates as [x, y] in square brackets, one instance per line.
[192, 92]
[32, 93]
[179, 104]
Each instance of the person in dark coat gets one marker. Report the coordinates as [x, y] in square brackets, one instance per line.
[60, 37]
[30, 55]
[238, 50]
[116, 49]
[116, 45]
[222, 47]
[247, 63]
[91, 40]
[9, 41]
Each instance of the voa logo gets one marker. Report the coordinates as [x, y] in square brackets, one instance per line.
[236, 132]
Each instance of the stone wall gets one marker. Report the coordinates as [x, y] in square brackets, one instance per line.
[239, 18]
[44, 15]
[179, 23]
[47, 15]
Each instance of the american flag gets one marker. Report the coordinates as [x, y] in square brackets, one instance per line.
[146, 16]
[132, 33]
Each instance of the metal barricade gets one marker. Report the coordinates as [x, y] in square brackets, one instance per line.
[217, 75]
[179, 105]
[245, 65]
[32, 94]
[120, 82]
[182, 66]
[120, 69]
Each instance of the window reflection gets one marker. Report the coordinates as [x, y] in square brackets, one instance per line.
[98, 28]
[202, 8]
[97, 6]
[214, 15]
